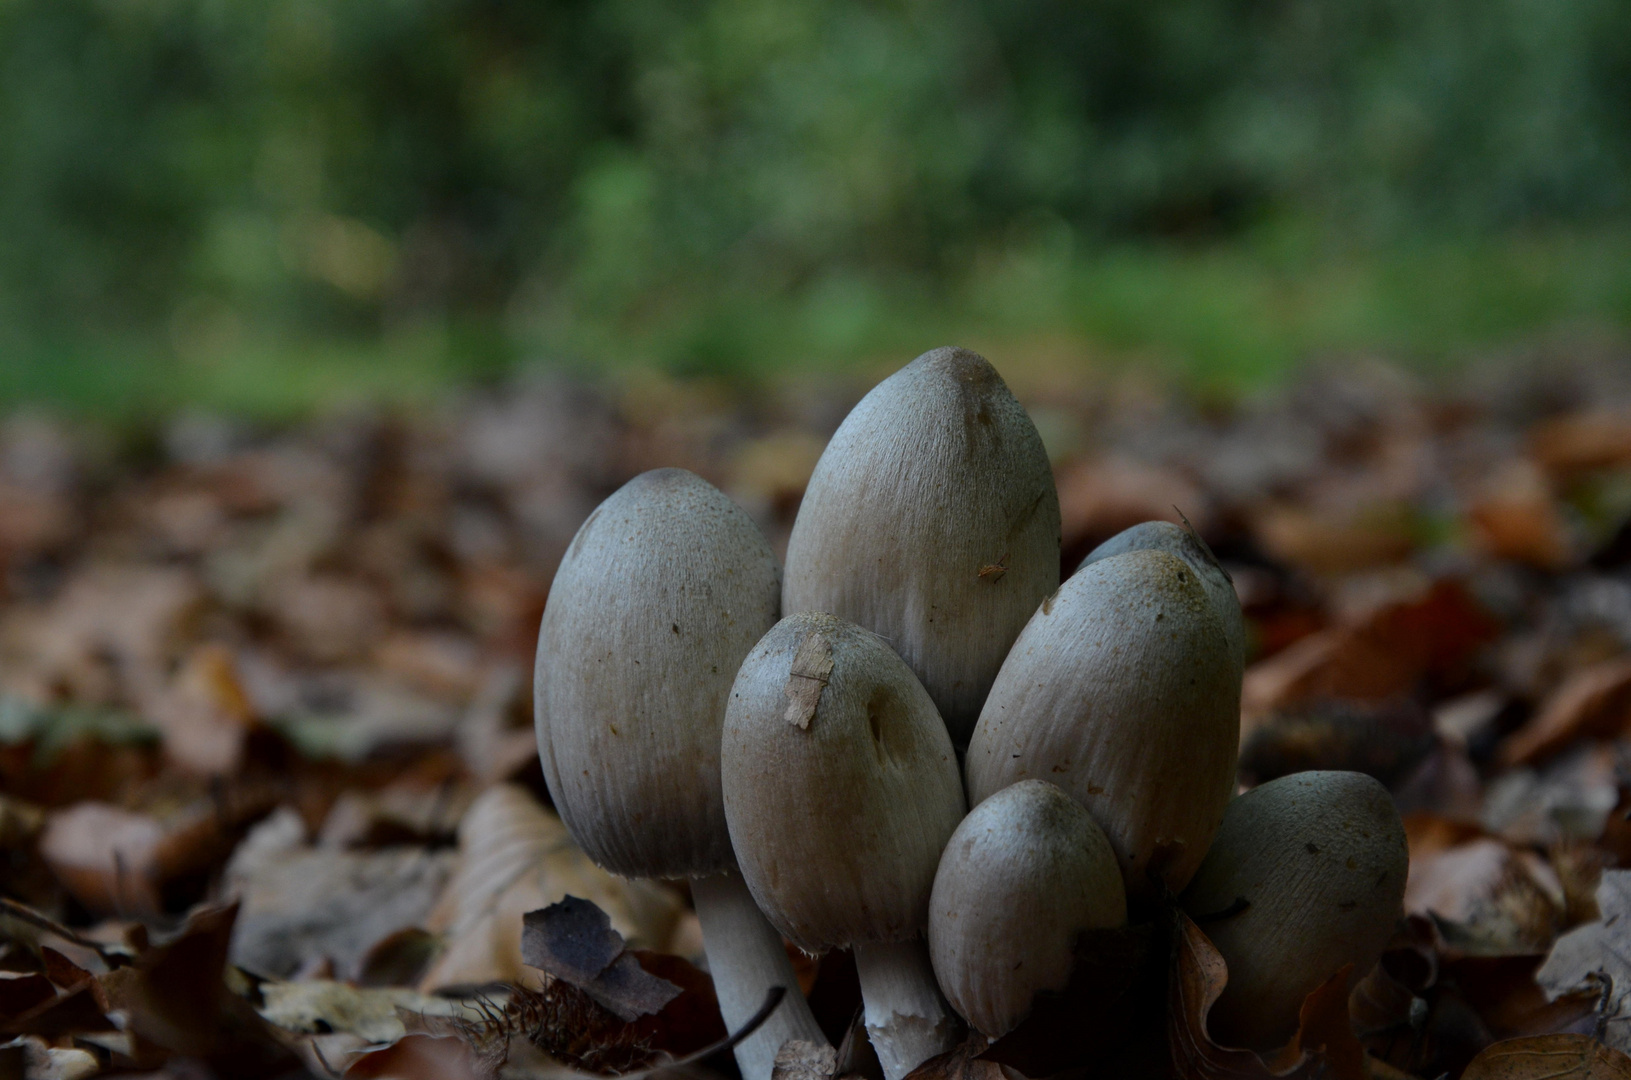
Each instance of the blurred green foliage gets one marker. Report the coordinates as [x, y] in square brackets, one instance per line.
[185, 180]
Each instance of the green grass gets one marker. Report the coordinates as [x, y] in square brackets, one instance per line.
[1226, 318]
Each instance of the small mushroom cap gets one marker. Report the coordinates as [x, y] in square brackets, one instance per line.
[662, 592]
[1124, 691]
[932, 519]
[841, 785]
[1024, 874]
[1321, 859]
[1184, 543]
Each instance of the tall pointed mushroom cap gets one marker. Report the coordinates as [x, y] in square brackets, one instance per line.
[841, 789]
[662, 592]
[1125, 691]
[1320, 859]
[1188, 546]
[932, 520]
[1024, 874]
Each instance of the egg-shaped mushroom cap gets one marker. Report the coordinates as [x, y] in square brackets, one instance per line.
[1188, 546]
[1320, 859]
[841, 785]
[662, 592]
[932, 519]
[1024, 874]
[1124, 691]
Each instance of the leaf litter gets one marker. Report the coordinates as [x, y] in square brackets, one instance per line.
[269, 801]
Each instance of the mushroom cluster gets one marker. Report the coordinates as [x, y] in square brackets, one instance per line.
[804, 745]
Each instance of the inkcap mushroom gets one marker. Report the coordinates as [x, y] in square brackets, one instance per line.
[1188, 546]
[932, 520]
[841, 790]
[1320, 860]
[662, 592]
[1124, 690]
[1024, 874]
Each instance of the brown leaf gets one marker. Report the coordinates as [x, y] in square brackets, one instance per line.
[118, 861]
[1099, 498]
[1488, 897]
[1549, 1057]
[1324, 1045]
[75, 1012]
[1386, 740]
[1373, 535]
[106, 856]
[1578, 442]
[1324, 1031]
[61, 970]
[690, 1022]
[205, 715]
[1427, 636]
[421, 1057]
[574, 940]
[961, 1062]
[515, 857]
[1592, 703]
[175, 997]
[1516, 516]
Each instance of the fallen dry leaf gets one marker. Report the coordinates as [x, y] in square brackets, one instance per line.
[1549, 1057]
[1489, 898]
[421, 1057]
[516, 857]
[573, 940]
[121, 862]
[1327, 543]
[1515, 516]
[205, 716]
[1324, 1046]
[1596, 959]
[1099, 498]
[174, 996]
[1582, 441]
[321, 1006]
[961, 1062]
[301, 904]
[1389, 653]
[1592, 703]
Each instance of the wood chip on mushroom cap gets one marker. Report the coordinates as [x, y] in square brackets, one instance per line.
[841, 790]
[1125, 691]
[1320, 859]
[662, 592]
[1024, 874]
[1187, 544]
[932, 519]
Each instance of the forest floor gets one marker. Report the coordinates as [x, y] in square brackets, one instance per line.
[271, 798]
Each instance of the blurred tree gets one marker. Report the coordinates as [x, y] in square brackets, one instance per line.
[193, 164]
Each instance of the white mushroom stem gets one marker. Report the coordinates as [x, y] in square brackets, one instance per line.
[907, 1019]
[746, 958]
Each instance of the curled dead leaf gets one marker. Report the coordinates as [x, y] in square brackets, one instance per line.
[1549, 1057]
[1324, 1046]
